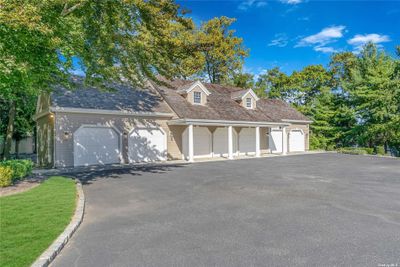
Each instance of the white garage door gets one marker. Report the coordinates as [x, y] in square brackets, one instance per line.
[296, 141]
[220, 142]
[146, 144]
[201, 142]
[275, 141]
[96, 145]
[247, 141]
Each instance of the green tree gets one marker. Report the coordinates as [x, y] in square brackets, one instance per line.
[223, 52]
[114, 40]
[273, 84]
[374, 88]
[243, 80]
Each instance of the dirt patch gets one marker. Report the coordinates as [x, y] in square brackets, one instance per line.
[21, 186]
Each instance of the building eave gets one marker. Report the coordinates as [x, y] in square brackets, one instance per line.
[297, 121]
[110, 112]
[204, 122]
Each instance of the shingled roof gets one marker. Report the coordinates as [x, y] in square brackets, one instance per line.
[161, 98]
[120, 97]
[221, 106]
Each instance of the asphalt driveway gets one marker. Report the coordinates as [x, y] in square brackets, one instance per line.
[318, 210]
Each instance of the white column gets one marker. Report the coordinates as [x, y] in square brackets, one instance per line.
[190, 139]
[230, 142]
[258, 141]
[284, 141]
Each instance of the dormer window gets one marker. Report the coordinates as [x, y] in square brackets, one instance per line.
[197, 97]
[249, 103]
[195, 93]
[246, 98]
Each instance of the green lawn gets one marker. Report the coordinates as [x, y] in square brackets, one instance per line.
[32, 220]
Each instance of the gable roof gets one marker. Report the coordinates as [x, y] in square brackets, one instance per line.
[121, 97]
[221, 106]
[186, 88]
[236, 95]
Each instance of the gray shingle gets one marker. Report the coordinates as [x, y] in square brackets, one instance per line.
[122, 98]
[221, 106]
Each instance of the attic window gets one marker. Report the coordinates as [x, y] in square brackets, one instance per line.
[197, 97]
[249, 102]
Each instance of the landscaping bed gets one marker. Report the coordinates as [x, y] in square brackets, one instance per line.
[14, 170]
[32, 220]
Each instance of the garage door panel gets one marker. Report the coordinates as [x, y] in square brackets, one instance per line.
[296, 141]
[201, 142]
[96, 145]
[247, 141]
[275, 141]
[146, 144]
[220, 142]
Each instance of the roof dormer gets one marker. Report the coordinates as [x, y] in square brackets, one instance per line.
[246, 98]
[196, 93]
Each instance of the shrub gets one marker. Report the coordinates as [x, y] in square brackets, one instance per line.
[380, 150]
[6, 176]
[352, 150]
[369, 150]
[330, 148]
[19, 168]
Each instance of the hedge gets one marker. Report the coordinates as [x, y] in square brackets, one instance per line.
[16, 169]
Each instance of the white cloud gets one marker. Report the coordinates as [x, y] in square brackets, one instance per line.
[280, 40]
[325, 36]
[319, 40]
[246, 4]
[325, 49]
[291, 2]
[359, 40]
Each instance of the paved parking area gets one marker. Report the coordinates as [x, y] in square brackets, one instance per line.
[301, 210]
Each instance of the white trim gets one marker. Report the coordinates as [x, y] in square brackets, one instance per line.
[258, 151]
[98, 126]
[196, 83]
[110, 112]
[230, 142]
[251, 92]
[224, 123]
[296, 129]
[284, 141]
[251, 102]
[298, 121]
[190, 143]
[194, 98]
[158, 127]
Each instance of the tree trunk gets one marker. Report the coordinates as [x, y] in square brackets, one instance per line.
[10, 131]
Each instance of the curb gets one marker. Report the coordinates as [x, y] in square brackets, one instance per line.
[55, 248]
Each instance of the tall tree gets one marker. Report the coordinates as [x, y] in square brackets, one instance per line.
[374, 87]
[243, 80]
[273, 83]
[224, 53]
[114, 39]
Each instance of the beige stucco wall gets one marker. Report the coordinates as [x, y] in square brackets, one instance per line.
[45, 141]
[306, 130]
[68, 123]
[190, 95]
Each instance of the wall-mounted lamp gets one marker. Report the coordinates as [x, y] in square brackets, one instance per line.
[67, 135]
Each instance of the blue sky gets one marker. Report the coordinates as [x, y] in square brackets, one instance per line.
[291, 34]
